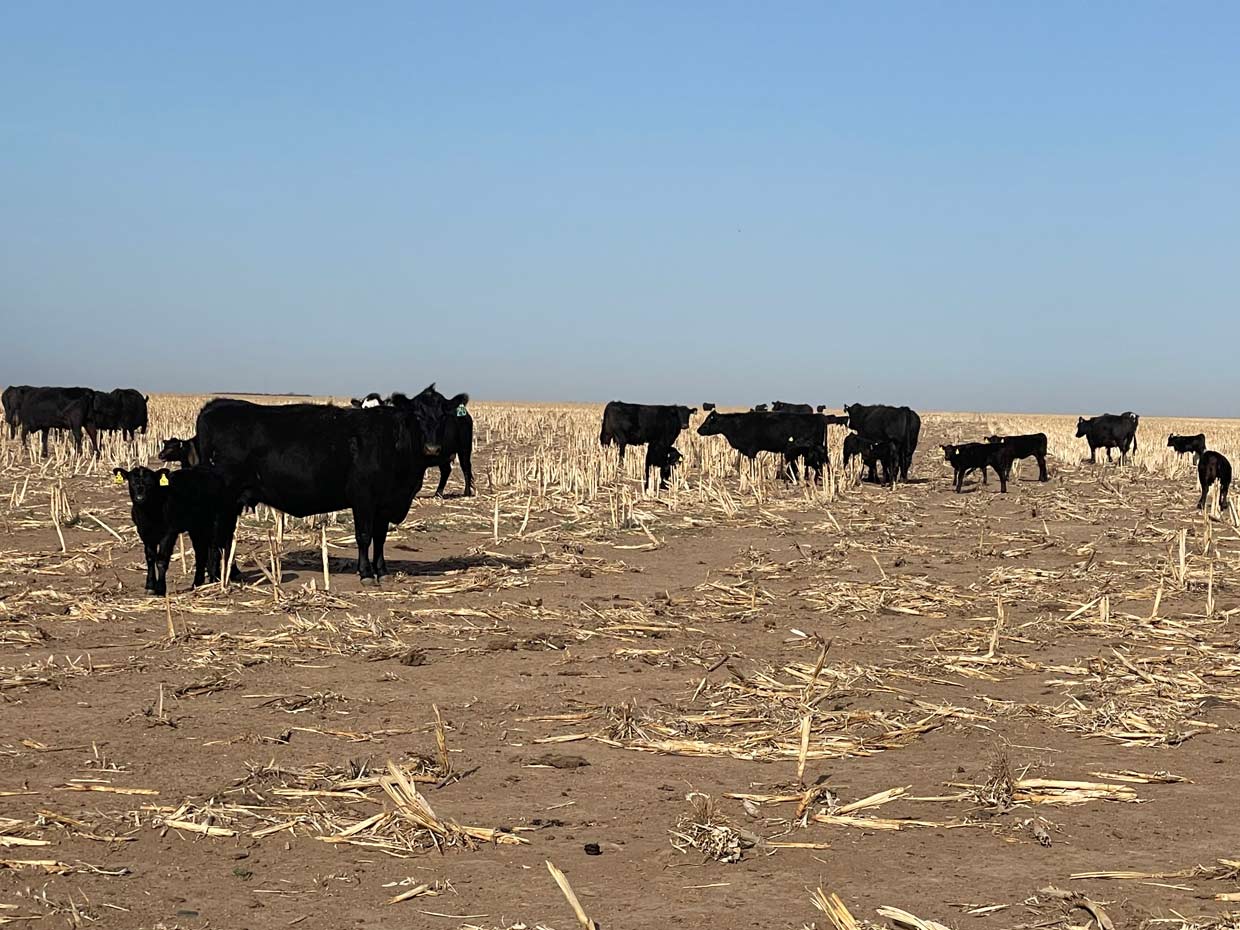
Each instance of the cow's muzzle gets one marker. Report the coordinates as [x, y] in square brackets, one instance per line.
[431, 449]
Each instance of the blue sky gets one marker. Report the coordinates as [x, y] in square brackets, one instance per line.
[957, 206]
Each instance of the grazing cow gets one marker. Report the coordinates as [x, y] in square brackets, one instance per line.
[167, 504]
[308, 458]
[968, 456]
[1027, 446]
[793, 435]
[1210, 467]
[1109, 431]
[875, 452]
[1194, 444]
[654, 425]
[708, 407]
[779, 406]
[44, 409]
[132, 407]
[184, 451]
[12, 401]
[901, 425]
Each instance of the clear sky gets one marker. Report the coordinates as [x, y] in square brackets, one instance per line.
[992, 206]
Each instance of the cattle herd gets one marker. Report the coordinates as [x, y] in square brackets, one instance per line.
[371, 457]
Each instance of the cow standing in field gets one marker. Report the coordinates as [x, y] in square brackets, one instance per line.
[456, 439]
[44, 409]
[873, 452]
[970, 456]
[307, 459]
[901, 425]
[167, 504]
[1194, 444]
[792, 435]
[12, 401]
[1213, 466]
[1109, 431]
[654, 425]
[779, 406]
[1031, 445]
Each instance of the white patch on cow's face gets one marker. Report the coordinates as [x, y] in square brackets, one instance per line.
[370, 402]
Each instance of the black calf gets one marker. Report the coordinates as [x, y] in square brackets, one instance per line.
[968, 456]
[166, 504]
[1032, 445]
[1182, 444]
[1210, 467]
[184, 451]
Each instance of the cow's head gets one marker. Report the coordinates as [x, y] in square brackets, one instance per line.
[760, 408]
[712, 425]
[1171, 439]
[184, 451]
[673, 457]
[994, 439]
[948, 452]
[685, 413]
[1082, 426]
[427, 412]
[707, 406]
[143, 483]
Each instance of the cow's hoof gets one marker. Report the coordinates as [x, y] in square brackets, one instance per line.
[369, 580]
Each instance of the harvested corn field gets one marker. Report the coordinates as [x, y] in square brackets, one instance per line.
[736, 702]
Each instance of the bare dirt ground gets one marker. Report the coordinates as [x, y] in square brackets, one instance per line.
[702, 707]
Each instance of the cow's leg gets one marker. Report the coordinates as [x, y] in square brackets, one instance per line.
[959, 480]
[790, 466]
[162, 557]
[200, 539]
[1042, 475]
[225, 529]
[418, 478]
[1224, 485]
[151, 553]
[467, 469]
[445, 469]
[93, 435]
[1003, 478]
[621, 445]
[651, 463]
[363, 532]
[45, 432]
[380, 538]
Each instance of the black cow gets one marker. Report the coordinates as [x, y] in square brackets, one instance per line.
[708, 407]
[167, 504]
[308, 458]
[1031, 445]
[779, 406]
[1210, 467]
[1194, 444]
[456, 439]
[12, 401]
[901, 425]
[968, 456]
[132, 406]
[370, 400]
[44, 409]
[184, 451]
[654, 425]
[759, 408]
[875, 452]
[1109, 431]
[852, 447]
[793, 435]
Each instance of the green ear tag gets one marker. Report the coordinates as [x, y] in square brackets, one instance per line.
[461, 411]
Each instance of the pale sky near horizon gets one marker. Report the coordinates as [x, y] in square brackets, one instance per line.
[1023, 207]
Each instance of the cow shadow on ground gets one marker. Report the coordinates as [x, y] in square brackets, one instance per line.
[311, 560]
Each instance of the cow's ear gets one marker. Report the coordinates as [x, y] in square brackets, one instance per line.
[353, 401]
[459, 401]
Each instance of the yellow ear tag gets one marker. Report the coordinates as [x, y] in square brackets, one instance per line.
[117, 479]
[163, 481]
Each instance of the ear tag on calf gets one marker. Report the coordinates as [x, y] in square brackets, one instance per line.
[117, 479]
[163, 481]
[461, 411]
